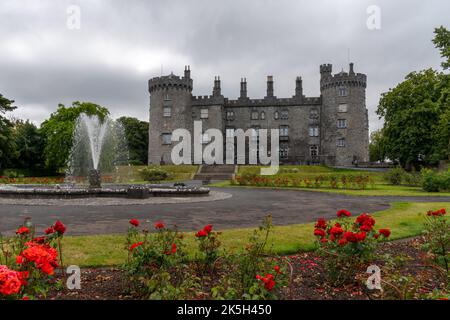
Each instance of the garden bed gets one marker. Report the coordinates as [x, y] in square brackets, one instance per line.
[309, 281]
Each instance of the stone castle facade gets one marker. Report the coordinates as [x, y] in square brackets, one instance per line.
[331, 129]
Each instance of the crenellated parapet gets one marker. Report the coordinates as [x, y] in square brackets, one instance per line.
[341, 79]
[171, 82]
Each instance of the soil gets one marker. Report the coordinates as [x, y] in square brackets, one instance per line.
[406, 272]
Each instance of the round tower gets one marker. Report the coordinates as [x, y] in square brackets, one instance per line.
[170, 109]
[344, 125]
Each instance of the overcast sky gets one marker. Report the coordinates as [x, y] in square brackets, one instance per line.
[121, 44]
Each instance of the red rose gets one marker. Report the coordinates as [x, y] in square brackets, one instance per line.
[201, 234]
[59, 227]
[49, 230]
[174, 247]
[159, 225]
[336, 231]
[342, 242]
[135, 245]
[134, 223]
[269, 283]
[277, 269]
[361, 236]
[324, 240]
[365, 228]
[208, 228]
[319, 233]
[385, 232]
[321, 224]
[23, 230]
[350, 237]
[343, 213]
[19, 259]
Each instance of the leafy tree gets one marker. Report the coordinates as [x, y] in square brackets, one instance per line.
[6, 141]
[417, 113]
[136, 132]
[442, 42]
[58, 131]
[29, 146]
[377, 150]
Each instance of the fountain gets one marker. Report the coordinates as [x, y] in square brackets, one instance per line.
[99, 146]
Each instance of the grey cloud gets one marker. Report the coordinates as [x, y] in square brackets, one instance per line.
[123, 43]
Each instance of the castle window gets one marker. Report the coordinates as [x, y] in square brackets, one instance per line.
[204, 114]
[263, 115]
[314, 114]
[342, 123]
[166, 97]
[284, 115]
[284, 151]
[343, 92]
[313, 151]
[166, 138]
[167, 112]
[313, 131]
[284, 131]
[230, 115]
[342, 108]
[255, 115]
[276, 115]
[341, 142]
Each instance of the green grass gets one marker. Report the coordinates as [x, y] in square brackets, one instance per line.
[378, 190]
[404, 220]
[177, 172]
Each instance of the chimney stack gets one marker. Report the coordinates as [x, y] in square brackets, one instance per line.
[351, 69]
[216, 88]
[298, 87]
[243, 88]
[269, 87]
[187, 72]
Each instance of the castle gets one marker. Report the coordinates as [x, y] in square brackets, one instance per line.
[331, 129]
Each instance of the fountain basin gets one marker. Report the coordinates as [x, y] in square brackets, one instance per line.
[111, 191]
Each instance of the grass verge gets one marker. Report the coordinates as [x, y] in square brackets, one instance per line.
[405, 219]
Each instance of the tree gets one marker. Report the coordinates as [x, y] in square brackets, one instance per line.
[6, 141]
[376, 147]
[411, 112]
[442, 42]
[417, 113]
[58, 130]
[136, 132]
[29, 146]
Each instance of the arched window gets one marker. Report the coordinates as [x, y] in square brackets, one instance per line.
[276, 115]
[263, 115]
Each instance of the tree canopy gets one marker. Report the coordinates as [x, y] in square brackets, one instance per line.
[6, 141]
[58, 130]
[416, 114]
[136, 132]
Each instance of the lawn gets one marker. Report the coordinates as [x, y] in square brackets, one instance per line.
[404, 219]
[380, 189]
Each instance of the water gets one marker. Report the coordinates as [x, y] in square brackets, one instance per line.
[97, 144]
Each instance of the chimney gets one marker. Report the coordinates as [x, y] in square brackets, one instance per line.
[187, 72]
[298, 87]
[243, 88]
[216, 88]
[351, 69]
[269, 87]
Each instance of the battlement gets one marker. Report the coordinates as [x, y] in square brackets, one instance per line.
[347, 79]
[170, 82]
[272, 102]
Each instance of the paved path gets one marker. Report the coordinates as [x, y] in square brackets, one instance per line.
[245, 208]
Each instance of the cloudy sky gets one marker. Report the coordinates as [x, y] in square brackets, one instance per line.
[122, 43]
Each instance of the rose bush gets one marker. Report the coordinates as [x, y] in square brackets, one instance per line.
[27, 262]
[347, 244]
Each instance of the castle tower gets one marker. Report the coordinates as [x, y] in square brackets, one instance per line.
[344, 119]
[170, 109]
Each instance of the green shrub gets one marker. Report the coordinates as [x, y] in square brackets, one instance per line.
[412, 179]
[153, 174]
[395, 176]
[431, 181]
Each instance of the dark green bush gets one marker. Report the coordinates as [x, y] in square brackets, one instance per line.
[395, 176]
[431, 181]
[153, 174]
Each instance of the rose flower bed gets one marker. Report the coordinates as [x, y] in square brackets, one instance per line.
[27, 262]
